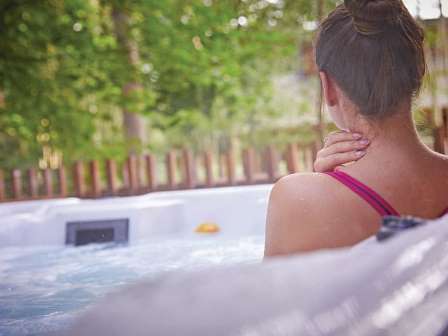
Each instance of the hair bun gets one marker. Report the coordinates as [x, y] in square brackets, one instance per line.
[372, 17]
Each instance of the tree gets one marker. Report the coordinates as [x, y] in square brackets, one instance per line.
[196, 71]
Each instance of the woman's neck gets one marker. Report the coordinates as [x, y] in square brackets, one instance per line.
[394, 142]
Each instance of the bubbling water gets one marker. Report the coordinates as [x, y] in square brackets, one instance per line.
[42, 289]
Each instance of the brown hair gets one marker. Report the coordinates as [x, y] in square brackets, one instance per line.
[373, 49]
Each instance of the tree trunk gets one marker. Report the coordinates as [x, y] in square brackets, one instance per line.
[442, 40]
[133, 123]
[319, 102]
[2, 99]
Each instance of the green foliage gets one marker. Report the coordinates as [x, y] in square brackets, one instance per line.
[204, 72]
[56, 73]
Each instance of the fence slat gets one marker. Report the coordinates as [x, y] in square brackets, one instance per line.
[208, 165]
[230, 167]
[62, 179]
[445, 129]
[17, 184]
[78, 179]
[189, 169]
[272, 163]
[2, 186]
[48, 183]
[171, 169]
[151, 176]
[111, 176]
[249, 165]
[292, 159]
[438, 139]
[131, 165]
[315, 147]
[138, 173]
[32, 183]
[95, 178]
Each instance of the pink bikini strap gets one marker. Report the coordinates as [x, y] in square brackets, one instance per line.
[370, 196]
[444, 212]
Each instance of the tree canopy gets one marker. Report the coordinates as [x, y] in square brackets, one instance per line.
[203, 69]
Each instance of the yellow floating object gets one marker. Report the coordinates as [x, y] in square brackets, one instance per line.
[208, 228]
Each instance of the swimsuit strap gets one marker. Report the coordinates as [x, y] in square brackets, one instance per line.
[370, 196]
[444, 212]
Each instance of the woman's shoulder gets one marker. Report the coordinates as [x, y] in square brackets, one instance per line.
[302, 214]
[303, 181]
[304, 188]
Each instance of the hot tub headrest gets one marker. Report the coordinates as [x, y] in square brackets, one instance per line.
[392, 288]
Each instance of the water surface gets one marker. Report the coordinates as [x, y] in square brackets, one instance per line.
[42, 289]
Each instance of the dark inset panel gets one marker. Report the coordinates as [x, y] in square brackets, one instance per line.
[100, 231]
[84, 237]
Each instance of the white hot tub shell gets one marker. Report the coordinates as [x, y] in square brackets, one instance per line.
[236, 210]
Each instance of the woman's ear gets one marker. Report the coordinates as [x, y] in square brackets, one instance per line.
[328, 89]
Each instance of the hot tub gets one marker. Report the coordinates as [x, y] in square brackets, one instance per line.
[46, 281]
[239, 211]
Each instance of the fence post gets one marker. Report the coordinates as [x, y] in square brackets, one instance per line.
[111, 175]
[189, 169]
[315, 147]
[445, 129]
[230, 167]
[78, 179]
[48, 185]
[62, 181]
[272, 163]
[151, 172]
[2, 186]
[131, 165]
[138, 172]
[32, 182]
[292, 158]
[171, 169]
[438, 139]
[17, 184]
[208, 165]
[95, 178]
[248, 160]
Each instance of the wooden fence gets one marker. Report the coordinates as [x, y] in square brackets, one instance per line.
[440, 134]
[177, 170]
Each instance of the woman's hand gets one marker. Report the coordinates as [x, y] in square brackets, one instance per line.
[340, 147]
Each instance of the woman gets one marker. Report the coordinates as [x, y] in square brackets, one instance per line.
[371, 62]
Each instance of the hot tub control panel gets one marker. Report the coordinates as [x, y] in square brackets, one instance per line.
[97, 231]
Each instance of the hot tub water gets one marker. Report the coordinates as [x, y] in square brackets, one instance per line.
[42, 289]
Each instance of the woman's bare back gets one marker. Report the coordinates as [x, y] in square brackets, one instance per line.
[315, 211]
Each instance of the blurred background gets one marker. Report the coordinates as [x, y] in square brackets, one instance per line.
[96, 79]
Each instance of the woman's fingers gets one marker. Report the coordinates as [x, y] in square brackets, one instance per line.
[328, 163]
[343, 147]
[341, 136]
[340, 148]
